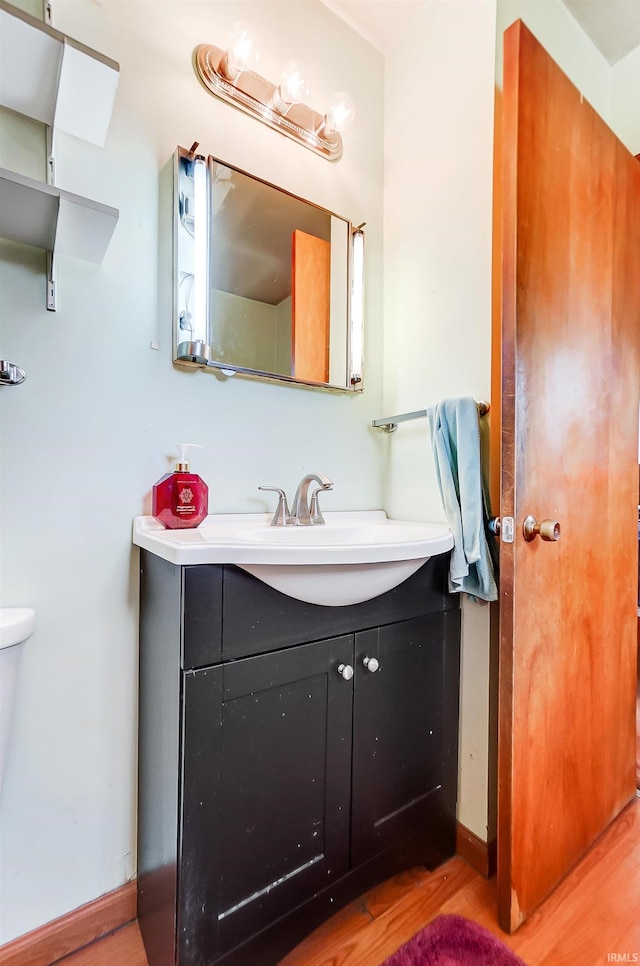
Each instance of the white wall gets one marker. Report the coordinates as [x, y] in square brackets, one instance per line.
[625, 77]
[437, 301]
[94, 425]
[246, 332]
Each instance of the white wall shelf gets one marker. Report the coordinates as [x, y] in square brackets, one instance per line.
[69, 87]
[39, 214]
[54, 79]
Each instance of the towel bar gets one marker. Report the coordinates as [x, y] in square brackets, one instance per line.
[390, 423]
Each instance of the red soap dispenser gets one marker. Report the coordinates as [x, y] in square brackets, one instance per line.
[180, 499]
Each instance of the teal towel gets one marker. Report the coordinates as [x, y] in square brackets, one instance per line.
[455, 437]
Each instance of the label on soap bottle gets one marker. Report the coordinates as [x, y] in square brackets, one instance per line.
[185, 503]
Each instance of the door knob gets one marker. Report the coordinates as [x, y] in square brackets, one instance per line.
[548, 529]
[371, 663]
[345, 671]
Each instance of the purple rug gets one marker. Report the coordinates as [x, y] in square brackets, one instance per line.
[454, 941]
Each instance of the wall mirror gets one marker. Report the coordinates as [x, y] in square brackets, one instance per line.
[266, 284]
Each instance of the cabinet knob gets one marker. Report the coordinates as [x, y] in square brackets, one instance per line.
[345, 671]
[371, 663]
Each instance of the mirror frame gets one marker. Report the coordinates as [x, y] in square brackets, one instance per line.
[195, 353]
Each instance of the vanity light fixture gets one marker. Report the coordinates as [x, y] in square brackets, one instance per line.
[192, 319]
[200, 251]
[356, 315]
[229, 75]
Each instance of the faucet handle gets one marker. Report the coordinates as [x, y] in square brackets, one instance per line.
[314, 507]
[281, 516]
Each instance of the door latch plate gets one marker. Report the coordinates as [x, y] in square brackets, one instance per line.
[507, 529]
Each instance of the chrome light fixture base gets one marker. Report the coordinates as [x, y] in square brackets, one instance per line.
[198, 353]
[254, 95]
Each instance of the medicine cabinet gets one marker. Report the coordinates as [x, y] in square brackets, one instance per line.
[266, 284]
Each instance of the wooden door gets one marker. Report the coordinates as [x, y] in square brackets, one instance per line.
[571, 328]
[310, 307]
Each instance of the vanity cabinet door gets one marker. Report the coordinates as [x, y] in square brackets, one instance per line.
[404, 767]
[266, 793]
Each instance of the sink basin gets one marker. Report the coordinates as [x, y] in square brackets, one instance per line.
[16, 625]
[355, 556]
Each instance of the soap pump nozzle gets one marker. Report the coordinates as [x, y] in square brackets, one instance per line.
[182, 466]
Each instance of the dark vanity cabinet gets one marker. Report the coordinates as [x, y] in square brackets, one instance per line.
[291, 755]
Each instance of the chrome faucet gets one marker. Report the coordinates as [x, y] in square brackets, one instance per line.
[282, 517]
[304, 513]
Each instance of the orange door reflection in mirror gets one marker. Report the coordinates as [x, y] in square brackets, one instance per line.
[310, 287]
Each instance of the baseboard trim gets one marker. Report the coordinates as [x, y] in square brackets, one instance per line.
[480, 855]
[49, 943]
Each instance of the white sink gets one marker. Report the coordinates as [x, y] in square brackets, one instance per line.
[16, 625]
[355, 556]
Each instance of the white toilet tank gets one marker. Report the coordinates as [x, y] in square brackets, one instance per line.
[16, 625]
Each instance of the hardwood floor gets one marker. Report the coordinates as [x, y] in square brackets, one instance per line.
[591, 919]
[122, 948]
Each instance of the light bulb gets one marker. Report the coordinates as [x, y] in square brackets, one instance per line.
[357, 306]
[200, 250]
[293, 87]
[242, 50]
[293, 84]
[340, 113]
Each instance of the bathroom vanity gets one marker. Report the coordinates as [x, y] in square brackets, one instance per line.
[292, 755]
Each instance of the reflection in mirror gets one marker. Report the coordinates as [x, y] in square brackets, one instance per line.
[264, 282]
